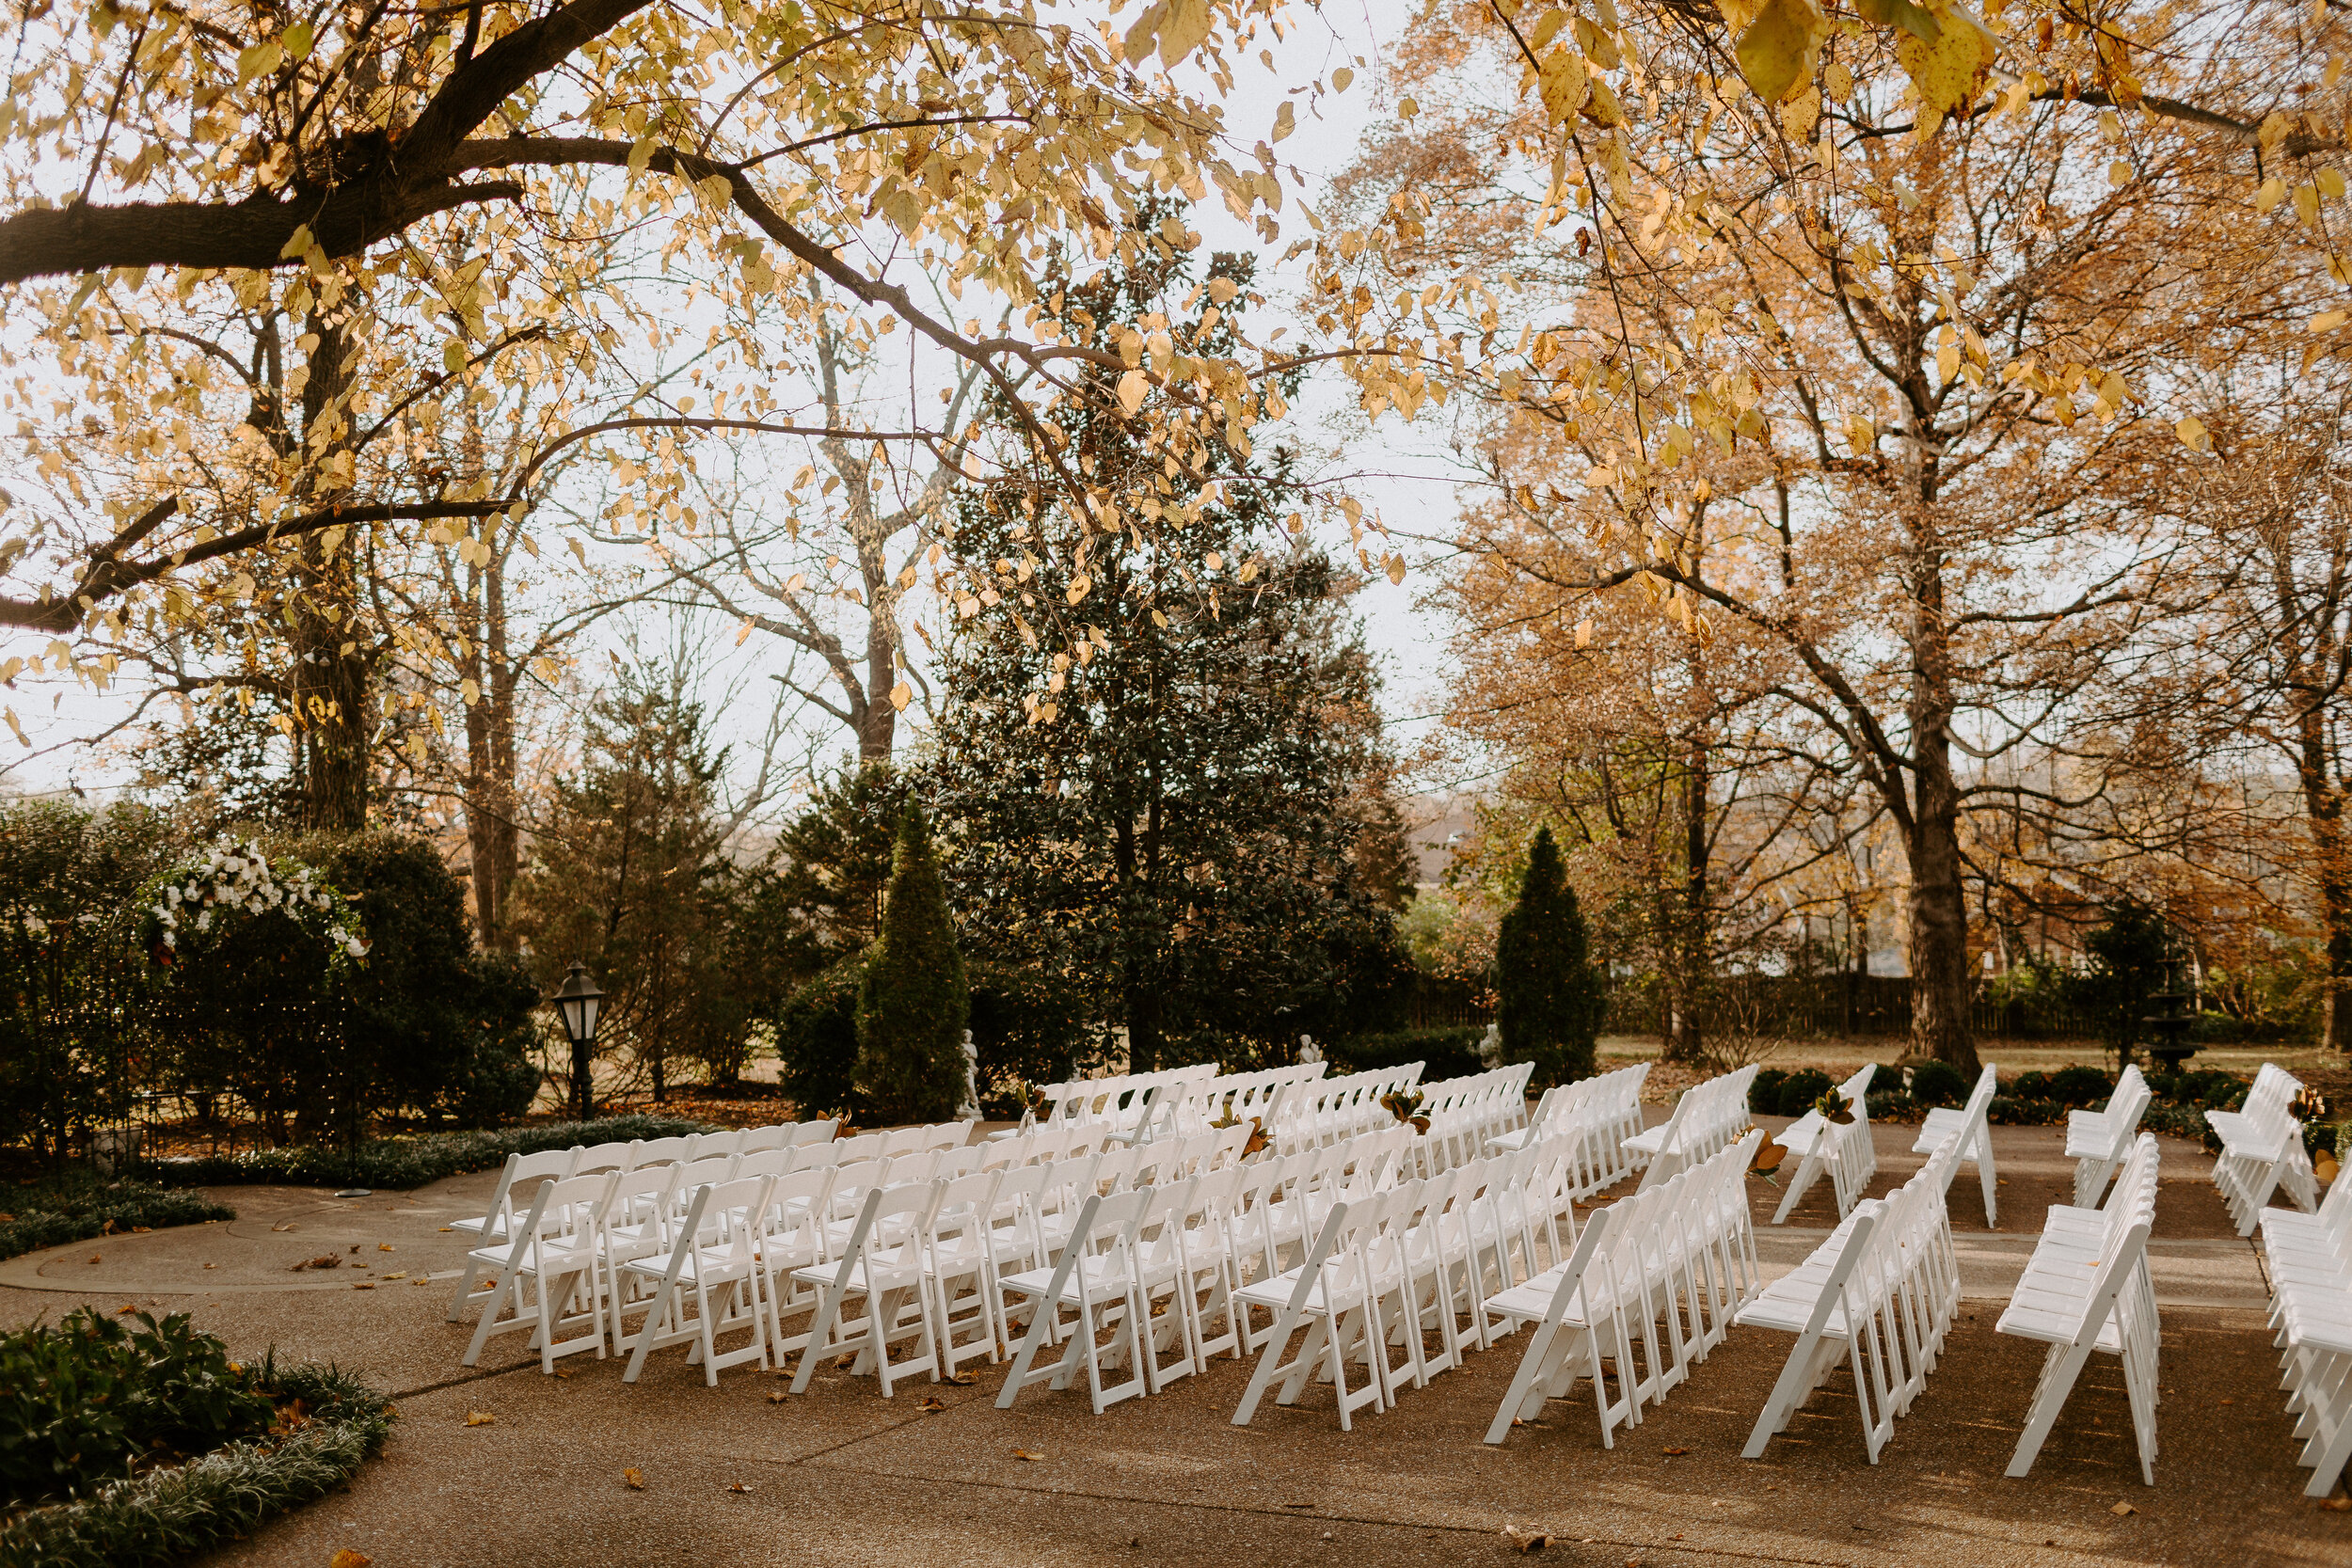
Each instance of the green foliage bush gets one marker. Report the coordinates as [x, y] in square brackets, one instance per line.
[330, 1424]
[2081, 1086]
[73, 1206]
[914, 1002]
[1800, 1089]
[1937, 1084]
[1445, 1052]
[402, 1165]
[2009, 1111]
[817, 1042]
[1894, 1105]
[2206, 1088]
[92, 1398]
[1764, 1091]
[1028, 1026]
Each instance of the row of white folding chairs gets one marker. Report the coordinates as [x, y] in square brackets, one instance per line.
[1842, 1149]
[1652, 1285]
[1390, 1265]
[642, 1211]
[1880, 1294]
[1122, 1102]
[1331, 1109]
[2261, 1150]
[1600, 1112]
[2309, 1260]
[1708, 1117]
[1229, 1097]
[1466, 1113]
[2099, 1141]
[522, 1171]
[2086, 1288]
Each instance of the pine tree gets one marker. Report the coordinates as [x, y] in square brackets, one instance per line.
[914, 1004]
[1548, 994]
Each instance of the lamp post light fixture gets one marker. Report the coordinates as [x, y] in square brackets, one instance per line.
[579, 1002]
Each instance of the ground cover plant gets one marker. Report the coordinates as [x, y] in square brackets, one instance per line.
[129, 1440]
[74, 1206]
[407, 1163]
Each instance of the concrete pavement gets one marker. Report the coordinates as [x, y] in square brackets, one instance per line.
[840, 1475]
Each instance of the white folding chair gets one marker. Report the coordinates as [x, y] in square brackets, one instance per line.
[1330, 1297]
[715, 1256]
[1096, 1281]
[522, 1174]
[886, 1276]
[552, 1251]
[1970, 1125]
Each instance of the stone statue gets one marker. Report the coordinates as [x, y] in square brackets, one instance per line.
[969, 1109]
[1309, 1051]
[1490, 1048]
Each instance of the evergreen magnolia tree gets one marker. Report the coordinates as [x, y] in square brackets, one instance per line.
[1547, 993]
[626, 876]
[912, 1006]
[1161, 772]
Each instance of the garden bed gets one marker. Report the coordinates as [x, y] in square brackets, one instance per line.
[52, 1211]
[134, 1441]
[404, 1163]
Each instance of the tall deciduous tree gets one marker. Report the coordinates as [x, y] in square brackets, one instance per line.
[1548, 995]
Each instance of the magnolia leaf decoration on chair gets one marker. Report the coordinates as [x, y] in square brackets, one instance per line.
[1406, 1107]
[1835, 1107]
[1768, 1158]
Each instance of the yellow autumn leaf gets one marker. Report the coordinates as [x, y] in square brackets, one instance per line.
[2273, 191]
[1285, 120]
[1949, 72]
[1131, 388]
[1585, 634]
[2328, 321]
[1563, 85]
[901, 695]
[1396, 570]
[1779, 48]
[2191, 430]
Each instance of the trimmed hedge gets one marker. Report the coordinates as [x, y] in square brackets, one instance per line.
[1443, 1053]
[402, 1164]
[168, 1515]
[60, 1211]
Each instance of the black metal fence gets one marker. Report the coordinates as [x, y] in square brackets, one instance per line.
[1795, 1005]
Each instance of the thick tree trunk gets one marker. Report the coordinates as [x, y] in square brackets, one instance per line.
[330, 682]
[2324, 804]
[1942, 990]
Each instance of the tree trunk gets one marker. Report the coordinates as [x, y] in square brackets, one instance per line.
[330, 678]
[2323, 802]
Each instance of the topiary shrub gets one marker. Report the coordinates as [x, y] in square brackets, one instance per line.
[2081, 1086]
[2028, 1086]
[1800, 1089]
[1443, 1053]
[1764, 1091]
[1937, 1084]
[1548, 998]
[2208, 1089]
[915, 1003]
[2011, 1112]
[816, 1040]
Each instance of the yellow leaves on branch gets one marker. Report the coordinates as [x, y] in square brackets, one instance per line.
[1947, 70]
[1941, 46]
[1780, 48]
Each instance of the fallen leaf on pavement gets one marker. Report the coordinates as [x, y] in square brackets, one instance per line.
[2229, 1401]
[2122, 1509]
[1678, 1452]
[447, 1228]
[1024, 1453]
[212, 1265]
[383, 1247]
[740, 1488]
[2338, 1505]
[93, 1258]
[961, 1380]
[402, 1275]
[324, 1260]
[778, 1396]
[479, 1418]
[346, 1558]
[933, 1403]
[633, 1480]
[126, 1307]
[363, 1284]
[1525, 1540]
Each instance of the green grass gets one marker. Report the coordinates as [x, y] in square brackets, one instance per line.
[74, 1206]
[403, 1165]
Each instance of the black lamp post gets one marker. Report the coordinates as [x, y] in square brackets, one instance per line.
[579, 1002]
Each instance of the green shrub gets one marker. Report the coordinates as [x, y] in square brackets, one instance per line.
[329, 1423]
[1549, 997]
[402, 1165]
[1444, 1053]
[2012, 1112]
[2206, 1088]
[915, 1003]
[1937, 1084]
[88, 1400]
[816, 1040]
[1764, 1091]
[1028, 1027]
[2033, 1084]
[1800, 1089]
[2081, 1086]
[73, 1206]
[2180, 1121]
[1894, 1105]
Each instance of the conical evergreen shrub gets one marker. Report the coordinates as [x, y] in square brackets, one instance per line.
[913, 1005]
[1548, 994]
